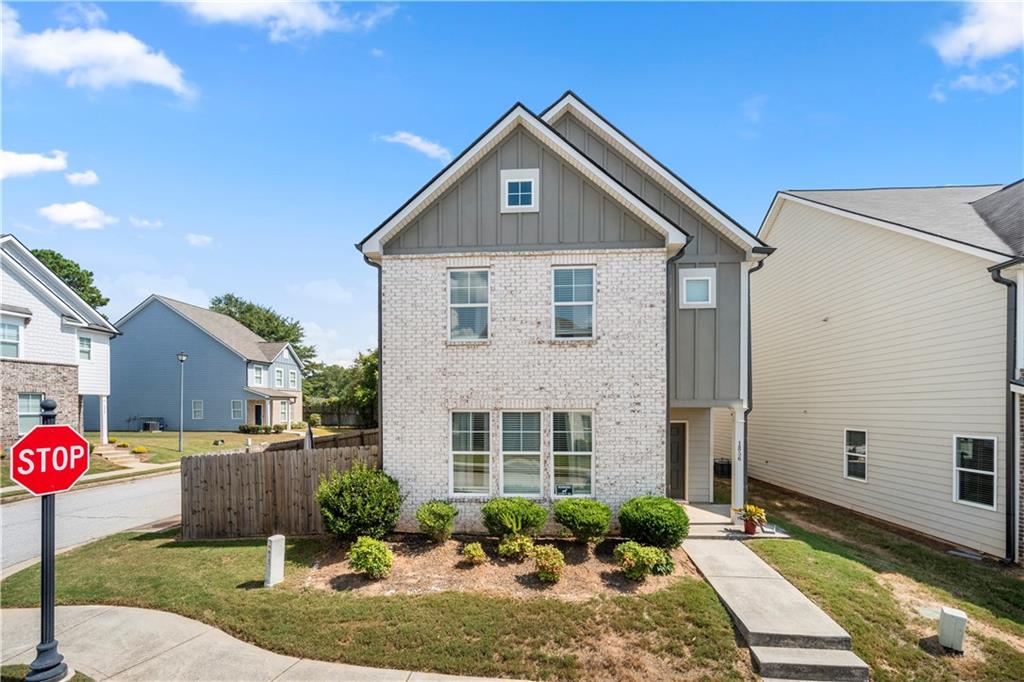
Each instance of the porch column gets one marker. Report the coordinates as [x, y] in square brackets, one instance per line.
[288, 411]
[103, 421]
[739, 455]
[268, 414]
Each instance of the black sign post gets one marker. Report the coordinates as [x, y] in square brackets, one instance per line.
[49, 664]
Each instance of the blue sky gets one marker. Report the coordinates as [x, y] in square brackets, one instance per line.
[246, 149]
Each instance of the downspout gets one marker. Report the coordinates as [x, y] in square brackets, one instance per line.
[380, 360]
[668, 357]
[767, 251]
[1012, 446]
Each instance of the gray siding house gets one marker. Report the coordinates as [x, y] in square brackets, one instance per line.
[561, 315]
[232, 376]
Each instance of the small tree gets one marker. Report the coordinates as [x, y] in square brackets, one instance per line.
[74, 275]
[265, 322]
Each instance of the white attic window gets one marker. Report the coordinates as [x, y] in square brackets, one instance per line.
[520, 190]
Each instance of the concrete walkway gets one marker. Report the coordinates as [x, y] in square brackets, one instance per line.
[121, 643]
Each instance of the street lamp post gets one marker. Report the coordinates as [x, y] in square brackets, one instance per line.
[182, 357]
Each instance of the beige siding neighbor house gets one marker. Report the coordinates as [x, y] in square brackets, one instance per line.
[886, 350]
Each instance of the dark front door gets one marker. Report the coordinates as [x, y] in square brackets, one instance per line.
[677, 462]
[258, 414]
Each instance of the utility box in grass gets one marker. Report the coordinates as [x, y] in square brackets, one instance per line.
[952, 629]
[275, 561]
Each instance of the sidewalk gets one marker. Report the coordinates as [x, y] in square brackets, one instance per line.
[121, 643]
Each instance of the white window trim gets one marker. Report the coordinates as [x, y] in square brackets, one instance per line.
[592, 303]
[448, 293]
[283, 412]
[452, 452]
[241, 410]
[42, 397]
[518, 175]
[293, 379]
[278, 377]
[708, 274]
[88, 341]
[20, 326]
[994, 473]
[846, 465]
[593, 448]
[202, 410]
[257, 375]
[501, 455]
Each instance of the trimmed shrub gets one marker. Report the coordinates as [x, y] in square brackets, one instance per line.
[123, 445]
[371, 557]
[587, 520]
[436, 519]
[264, 429]
[139, 450]
[362, 501]
[315, 419]
[111, 440]
[515, 547]
[636, 560]
[504, 516]
[279, 428]
[550, 563]
[473, 553]
[652, 520]
[665, 566]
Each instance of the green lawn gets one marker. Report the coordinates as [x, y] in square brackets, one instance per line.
[679, 632]
[163, 445]
[97, 465]
[16, 673]
[873, 581]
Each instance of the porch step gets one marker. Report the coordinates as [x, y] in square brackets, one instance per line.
[789, 663]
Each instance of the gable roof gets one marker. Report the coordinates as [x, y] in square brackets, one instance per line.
[691, 198]
[223, 328]
[52, 287]
[519, 115]
[985, 220]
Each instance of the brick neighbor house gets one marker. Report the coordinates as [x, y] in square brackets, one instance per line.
[560, 315]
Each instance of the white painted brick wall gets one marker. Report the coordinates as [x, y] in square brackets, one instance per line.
[620, 375]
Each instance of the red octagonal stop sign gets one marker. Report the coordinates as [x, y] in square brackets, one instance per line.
[49, 459]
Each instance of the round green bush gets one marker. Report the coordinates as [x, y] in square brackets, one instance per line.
[436, 519]
[637, 561]
[139, 450]
[515, 547]
[652, 520]
[587, 520]
[362, 501]
[513, 516]
[550, 563]
[473, 553]
[315, 419]
[371, 557]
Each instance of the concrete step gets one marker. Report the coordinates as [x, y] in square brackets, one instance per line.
[788, 663]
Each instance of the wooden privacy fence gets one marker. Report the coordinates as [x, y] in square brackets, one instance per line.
[343, 439]
[259, 493]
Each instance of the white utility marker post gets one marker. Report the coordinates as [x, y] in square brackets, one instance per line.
[275, 561]
[952, 628]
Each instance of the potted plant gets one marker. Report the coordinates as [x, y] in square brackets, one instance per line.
[753, 518]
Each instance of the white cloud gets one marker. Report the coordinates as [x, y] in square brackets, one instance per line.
[329, 347]
[13, 163]
[88, 177]
[81, 14]
[80, 215]
[145, 223]
[938, 93]
[285, 21]
[90, 57]
[377, 53]
[753, 108]
[326, 290]
[426, 147]
[993, 83]
[128, 289]
[986, 30]
[194, 239]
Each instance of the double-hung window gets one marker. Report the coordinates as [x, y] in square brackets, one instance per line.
[471, 453]
[975, 470]
[197, 409]
[30, 412]
[10, 339]
[572, 445]
[236, 409]
[293, 379]
[278, 377]
[697, 287]
[520, 453]
[284, 411]
[84, 348]
[468, 305]
[855, 454]
[573, 302]
[257, 375]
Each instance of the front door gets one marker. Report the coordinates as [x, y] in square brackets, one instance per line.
[258, 414]
[677, 462]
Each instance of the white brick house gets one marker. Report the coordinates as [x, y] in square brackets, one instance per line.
[551, 305]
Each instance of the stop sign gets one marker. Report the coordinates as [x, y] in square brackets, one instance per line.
[49, 459]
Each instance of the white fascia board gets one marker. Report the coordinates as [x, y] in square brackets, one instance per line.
[780, 197]
[675, 238]
[41, 288]
[641, 158]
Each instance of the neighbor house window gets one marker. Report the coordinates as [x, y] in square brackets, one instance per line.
[471, 453]
[284, 410]
[84, 348]
[520, 453]
[855, 451]
[10, 339]
[279, 377]
[697, 287]
[293, 379]
[573, 302]
[468, 305]
[30, 412]
[197, 409]
[975, 470]
[236, 409]
[257, 376]
[520, 190]
[572, 445]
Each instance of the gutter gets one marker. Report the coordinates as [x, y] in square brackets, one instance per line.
[767, 251]
[1012, 446]
[380, 358]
